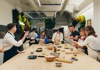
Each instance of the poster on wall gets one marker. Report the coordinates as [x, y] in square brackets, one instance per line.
[89, 22]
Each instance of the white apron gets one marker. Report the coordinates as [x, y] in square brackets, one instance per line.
[57, 39]
[92, 52]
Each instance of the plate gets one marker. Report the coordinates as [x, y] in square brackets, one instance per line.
[39, 50]
[32, 57]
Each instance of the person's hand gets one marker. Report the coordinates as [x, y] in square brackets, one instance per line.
[20, 51]
[68, 37]
[71, 37]
[32, 38]
[74, 43]
[1, 48]
[37, 39]
[42, 40]
[26, 33]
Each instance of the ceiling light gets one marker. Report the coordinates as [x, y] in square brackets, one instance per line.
[62, 2]
[40, 4]
[28, 15]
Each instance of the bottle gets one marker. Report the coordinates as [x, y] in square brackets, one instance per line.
[55, 49]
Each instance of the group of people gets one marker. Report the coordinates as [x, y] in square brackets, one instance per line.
[84, 39]
[37, 38]
[43, 38]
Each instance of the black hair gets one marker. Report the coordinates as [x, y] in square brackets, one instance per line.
[59, 30]
[33, 29]
[10, 26]
[71, 26]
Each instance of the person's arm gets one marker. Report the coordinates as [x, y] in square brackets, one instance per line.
[38, 36]
[46, 40]
[85, 42]
[1, 48]
[68, 37]
[12, 41]
[25, 35]
[75, 38]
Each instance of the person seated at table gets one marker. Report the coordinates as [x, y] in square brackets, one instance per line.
[2, 34]
[1, 48]
[81, 39]
[57, 37]
[32, 36]
[91, 41]
[1, 41]
[10, 44]
[42, 38]
[74, 33]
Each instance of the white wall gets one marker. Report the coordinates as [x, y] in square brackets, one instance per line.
[89, 15]
[96, 17]
[87, 12]
[5, 12]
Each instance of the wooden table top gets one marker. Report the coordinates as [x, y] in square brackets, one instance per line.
[21, 61]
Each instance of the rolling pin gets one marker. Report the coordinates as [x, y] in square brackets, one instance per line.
[63, 60]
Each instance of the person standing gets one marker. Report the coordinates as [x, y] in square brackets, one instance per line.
[10, 44]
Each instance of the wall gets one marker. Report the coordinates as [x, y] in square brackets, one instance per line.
[5, 12]
[87, 12]
[89, 15]
[96, 18]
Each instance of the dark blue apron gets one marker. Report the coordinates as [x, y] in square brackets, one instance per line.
[10, 53]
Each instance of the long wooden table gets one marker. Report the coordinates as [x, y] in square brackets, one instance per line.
[21, 61]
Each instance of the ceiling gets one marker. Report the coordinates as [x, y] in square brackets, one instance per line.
[49, 7]
[39, 9]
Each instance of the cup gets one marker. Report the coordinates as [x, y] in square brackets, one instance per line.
[58, 64]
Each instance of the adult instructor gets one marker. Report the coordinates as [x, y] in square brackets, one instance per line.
[10, 44]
